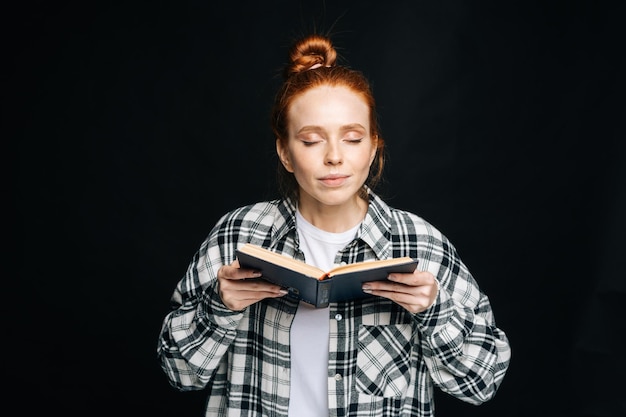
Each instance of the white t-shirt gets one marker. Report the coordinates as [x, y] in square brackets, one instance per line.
[310, 329]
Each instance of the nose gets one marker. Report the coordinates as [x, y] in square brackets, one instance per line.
[333, 153]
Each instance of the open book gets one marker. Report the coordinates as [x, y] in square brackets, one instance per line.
[313, 285]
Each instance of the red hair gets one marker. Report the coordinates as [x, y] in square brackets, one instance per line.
[313, 63]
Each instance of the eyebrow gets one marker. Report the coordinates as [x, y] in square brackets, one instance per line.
[313, 128]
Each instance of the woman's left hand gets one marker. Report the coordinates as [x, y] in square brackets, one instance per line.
[415, 292]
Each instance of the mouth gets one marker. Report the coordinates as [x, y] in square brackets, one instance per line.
[334, 180]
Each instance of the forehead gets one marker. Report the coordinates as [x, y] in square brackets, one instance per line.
[329, 105]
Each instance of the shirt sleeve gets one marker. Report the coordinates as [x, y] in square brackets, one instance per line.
[466, 353]
[198, 330]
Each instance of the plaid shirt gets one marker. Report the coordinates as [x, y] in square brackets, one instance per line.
[383, 360]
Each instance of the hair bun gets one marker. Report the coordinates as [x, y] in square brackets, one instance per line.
[310, 52]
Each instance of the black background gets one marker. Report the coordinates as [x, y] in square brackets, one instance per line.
[131, 127]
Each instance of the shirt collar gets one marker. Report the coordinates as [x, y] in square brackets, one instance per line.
[284, 220]
[375, 231]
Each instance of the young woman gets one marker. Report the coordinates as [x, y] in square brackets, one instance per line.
[258, 351]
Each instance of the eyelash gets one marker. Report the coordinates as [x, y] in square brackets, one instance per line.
[355, 141]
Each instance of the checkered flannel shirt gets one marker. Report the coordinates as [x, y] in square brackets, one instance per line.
[383, 360]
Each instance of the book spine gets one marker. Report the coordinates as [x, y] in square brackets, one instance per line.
[323, 293]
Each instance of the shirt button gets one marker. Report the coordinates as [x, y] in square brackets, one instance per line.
[338, 317]
[338, 377]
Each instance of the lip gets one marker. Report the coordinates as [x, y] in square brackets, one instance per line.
[334, 180]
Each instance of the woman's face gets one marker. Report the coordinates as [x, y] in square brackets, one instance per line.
[329, 149]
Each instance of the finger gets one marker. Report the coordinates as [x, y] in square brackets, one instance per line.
[414, 279]
[245, 289]
[238, 300]
[412, 303]
[232, 273]
[386, 286]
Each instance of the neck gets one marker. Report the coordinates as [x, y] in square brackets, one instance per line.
[335, 218]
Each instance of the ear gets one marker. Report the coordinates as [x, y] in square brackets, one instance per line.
[283, 155]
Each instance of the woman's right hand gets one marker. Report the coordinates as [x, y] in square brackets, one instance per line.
[239, 287]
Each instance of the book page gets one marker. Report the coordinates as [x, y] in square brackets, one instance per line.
[365, 265]
[309, 270]
[283, 260]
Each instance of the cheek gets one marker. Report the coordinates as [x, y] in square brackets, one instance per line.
[304, 161]
[365, 159]
[298, 168]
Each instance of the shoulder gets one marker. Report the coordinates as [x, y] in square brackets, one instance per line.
[412, 224]
[399, 220]
[402, 218]
[258, 212]
[407, 226]
[260, 219]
